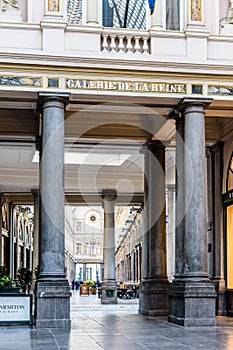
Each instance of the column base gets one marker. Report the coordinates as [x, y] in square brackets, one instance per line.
[192, 303]
[153, 297]
[109, 292]
[52, 304]
[221, 296]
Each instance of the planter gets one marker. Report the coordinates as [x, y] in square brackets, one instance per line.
[15, 307]
[10, 290]
[92, 290]
[84, 290]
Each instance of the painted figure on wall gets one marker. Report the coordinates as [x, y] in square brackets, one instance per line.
[53, 5]
[9, 4]
[196, 10]
[230, 12]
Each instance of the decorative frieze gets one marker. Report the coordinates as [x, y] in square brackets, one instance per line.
[20, 81]
[223, 90]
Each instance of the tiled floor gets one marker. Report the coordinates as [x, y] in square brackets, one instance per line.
[117, 327]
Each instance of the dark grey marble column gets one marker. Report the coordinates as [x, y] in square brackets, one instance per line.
[52, 291]
[219, 238]
[35, 262]
[153, 300]
[180, 205]
[210, 195]
[192, 292]
[109, 285]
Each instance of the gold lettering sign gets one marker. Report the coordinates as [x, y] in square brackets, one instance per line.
[126, 86]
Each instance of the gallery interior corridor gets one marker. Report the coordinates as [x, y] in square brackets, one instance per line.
[116, 327]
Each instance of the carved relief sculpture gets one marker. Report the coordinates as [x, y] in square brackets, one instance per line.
[9, 5]
[230, 12]
[196, 10]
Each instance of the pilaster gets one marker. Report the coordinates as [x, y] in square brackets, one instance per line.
[157, 18]
[93, 10]
[109, 285]
[53, 26]
[196, 31]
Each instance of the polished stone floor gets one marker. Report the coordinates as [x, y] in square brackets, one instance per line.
[116, 327]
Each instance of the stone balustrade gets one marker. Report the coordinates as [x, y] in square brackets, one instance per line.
[125, 42]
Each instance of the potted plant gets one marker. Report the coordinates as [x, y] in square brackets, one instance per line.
[24, 279]
[92, 287]
[6, 282]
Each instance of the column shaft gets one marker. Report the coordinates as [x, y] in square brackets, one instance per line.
[195, 193]
[35, 262]
[157, 215]
[52, 291]
[219, 238]
[109, 287]
[191, 291]
[154, 286]
[180, 205]
[145, 237]
[52, 191]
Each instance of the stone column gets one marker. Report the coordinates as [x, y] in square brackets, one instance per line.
[109, 286]
[180, 199]
[52, 292]
[35, 262]
[93, 12]
[154, 286]
[219, 239]
[192, 292]
[210, 236]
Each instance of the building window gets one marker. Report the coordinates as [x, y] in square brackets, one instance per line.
[124, 14]
[78, 248]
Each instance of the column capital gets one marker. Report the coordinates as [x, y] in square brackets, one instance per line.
[191, 102]
[109, 195]
[51, 98]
